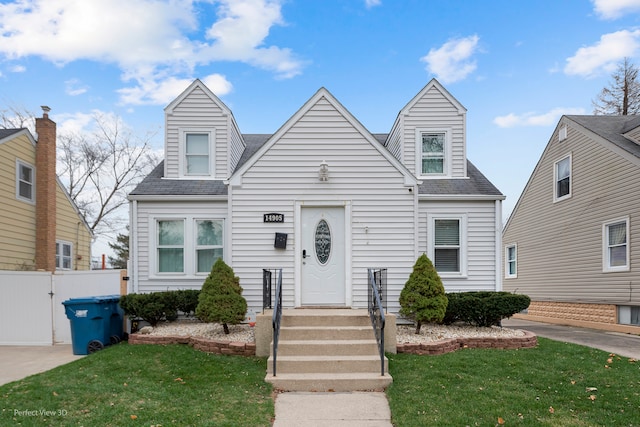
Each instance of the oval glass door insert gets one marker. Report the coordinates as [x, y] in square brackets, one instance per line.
[323, 242]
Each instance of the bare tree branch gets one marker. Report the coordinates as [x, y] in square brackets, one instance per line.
[622, 96]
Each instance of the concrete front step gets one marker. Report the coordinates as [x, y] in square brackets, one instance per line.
[325, 317]
[326, 347]
[326, 333]
[325, 382]
[326, 364]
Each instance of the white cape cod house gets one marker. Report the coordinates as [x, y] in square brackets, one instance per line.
[322, 198]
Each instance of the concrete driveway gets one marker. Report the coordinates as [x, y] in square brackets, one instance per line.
[17, 362]
[626, 345]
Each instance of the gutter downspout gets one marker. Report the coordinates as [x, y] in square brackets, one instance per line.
[133, 249]
[498, 227]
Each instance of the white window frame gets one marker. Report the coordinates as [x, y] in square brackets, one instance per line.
[462, 221]
[447, 152]
[60, 244]
[507, 271]
[197, 247]
[20, 164]
[190, 259]
[606, 261]
[555, 179]
[211, 133]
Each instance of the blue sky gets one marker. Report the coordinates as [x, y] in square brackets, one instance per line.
[516, 66]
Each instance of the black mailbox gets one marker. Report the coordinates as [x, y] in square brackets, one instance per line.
[281, 241]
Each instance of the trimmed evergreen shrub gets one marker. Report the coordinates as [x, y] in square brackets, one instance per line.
[187, 301]
[483, 308]
[221, 299]
[423, 299]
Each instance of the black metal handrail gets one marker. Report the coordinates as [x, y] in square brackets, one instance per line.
[376, 312]
[277, 317]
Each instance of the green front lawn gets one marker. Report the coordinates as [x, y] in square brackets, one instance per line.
[555, 384]
[143, 385]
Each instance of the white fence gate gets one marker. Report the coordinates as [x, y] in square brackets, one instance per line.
[31, 310]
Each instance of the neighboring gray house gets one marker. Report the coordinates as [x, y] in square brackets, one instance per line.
[572, 242]
[345, 198]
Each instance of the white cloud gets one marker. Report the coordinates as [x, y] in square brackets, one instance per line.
[452, 61]
[147, 37]
[18, 69]
[161, 91]
[75, 87]
[372, 3]
[612, 9]
[534, 119]
[603, 56]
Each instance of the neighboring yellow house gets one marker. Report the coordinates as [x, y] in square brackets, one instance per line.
[40, 226]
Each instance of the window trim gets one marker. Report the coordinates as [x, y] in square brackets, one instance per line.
[19, 164]
[555, 179]
[507, 271]
[197, 247]
[447, 152]
[211, 135]
[606, 266]
[190, 259]
[62, 244]
[462, 221]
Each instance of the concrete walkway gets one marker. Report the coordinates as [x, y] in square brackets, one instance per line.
[354, 409]
[18, 362]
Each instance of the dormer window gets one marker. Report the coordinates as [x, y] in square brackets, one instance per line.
[433, 148]
[197, 152]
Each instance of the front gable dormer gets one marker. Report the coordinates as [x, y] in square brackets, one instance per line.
[428, 135]
[202, 140]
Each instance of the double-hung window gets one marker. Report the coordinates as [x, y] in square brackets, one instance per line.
[63, 255]
[197, 153]
[447, 245]
[188, 246]
[25, 180]
[615, 245]
[209, 243]
[562, 179]
[511, 261]
[433, 146]
[170, 246]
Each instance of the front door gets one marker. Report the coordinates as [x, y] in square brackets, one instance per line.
[323, 256]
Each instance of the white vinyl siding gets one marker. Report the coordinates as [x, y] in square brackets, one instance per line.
[434, 111]
[511, 261]
[378, 206]
[615, 245]
[197, 113]
[478, 238]
[148, 213]
[64, 255]
[25, 182]
[562, 179]
[560, 245]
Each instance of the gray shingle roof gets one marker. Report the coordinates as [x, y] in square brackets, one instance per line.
[155, 185]
[8, 132]
[476, 184]
[611, 128]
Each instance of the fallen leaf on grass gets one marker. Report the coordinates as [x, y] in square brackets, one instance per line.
[573, 382]
[610, 360]
[55, 394]
[632, 360]
[592, 397]
[551, 410]
[134, 417]
[500, 420]
[591, 389]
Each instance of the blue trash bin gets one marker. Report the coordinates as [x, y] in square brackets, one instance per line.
[90, 319]
[116, 319]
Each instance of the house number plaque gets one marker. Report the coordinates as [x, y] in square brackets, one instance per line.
[273, 217]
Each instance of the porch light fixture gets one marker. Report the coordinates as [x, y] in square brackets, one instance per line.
[323, 173]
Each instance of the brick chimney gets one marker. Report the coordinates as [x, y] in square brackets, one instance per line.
[45, 192]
